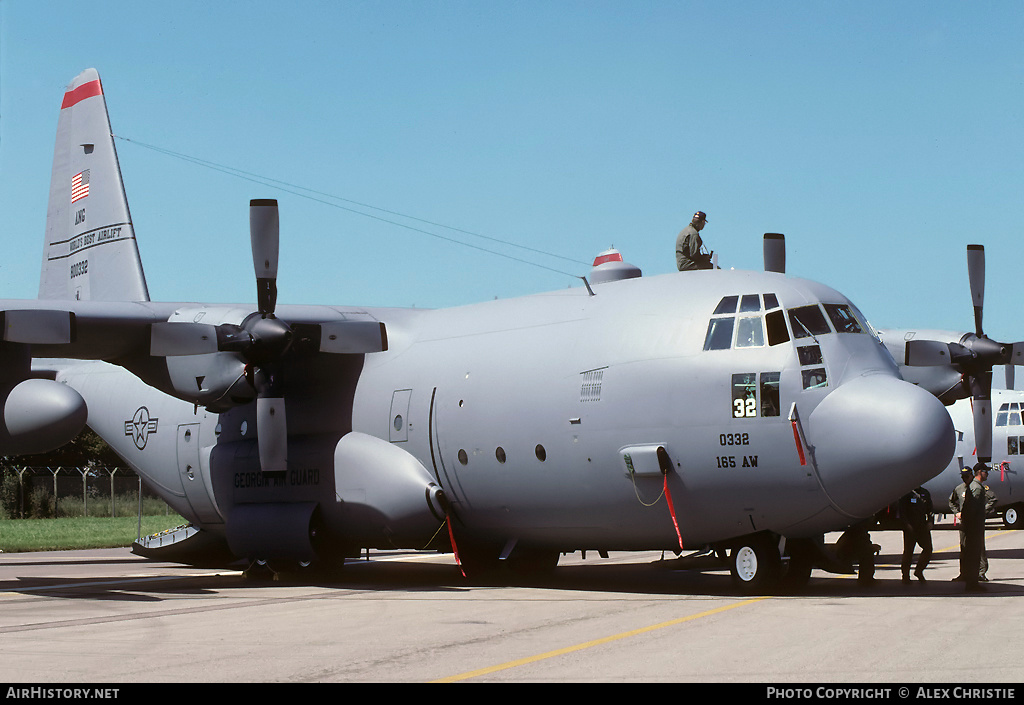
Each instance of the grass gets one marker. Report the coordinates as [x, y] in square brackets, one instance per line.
[17, 535]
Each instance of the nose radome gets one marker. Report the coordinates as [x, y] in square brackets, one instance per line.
[876, 438]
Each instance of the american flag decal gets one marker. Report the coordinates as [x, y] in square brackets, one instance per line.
[80, 186]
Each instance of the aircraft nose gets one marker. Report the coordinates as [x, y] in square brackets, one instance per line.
[876, 438]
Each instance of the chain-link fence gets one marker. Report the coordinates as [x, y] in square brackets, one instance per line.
[43, 492]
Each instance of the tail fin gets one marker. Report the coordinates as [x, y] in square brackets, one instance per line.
[90, 251]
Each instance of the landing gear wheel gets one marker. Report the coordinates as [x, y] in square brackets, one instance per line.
[796, 572]
[479, 561]
[1013, 517]
[532, 563]
[755, 565]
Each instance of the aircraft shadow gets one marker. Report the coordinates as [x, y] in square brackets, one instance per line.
[707, 577]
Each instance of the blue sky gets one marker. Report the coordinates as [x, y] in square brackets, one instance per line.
[880, 137]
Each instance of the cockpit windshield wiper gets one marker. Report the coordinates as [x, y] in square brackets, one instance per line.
[794, 317]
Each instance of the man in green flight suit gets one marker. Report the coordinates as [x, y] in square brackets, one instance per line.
[957, 500]
[689, 245]
[972, 515]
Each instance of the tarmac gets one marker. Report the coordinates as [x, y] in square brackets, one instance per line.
[108, 616]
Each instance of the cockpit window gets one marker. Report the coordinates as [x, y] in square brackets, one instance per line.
[809, 355]
[776, 324]
[815, 378]
[744, 396]
[727, 305]
[808, 321]
[750, 332]
[749, 329]
[770, 405]
[719, 335]
[843, 319]
[750, 302]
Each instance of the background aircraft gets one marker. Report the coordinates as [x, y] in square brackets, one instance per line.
[1007, 445]
[742, 411]
[957, 368]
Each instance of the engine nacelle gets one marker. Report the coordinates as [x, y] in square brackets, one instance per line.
[216, 380]
[275, 531]
[41, 415]
[387, 498]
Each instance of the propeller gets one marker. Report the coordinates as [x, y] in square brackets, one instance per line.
[269, 336]
[974, 356]
[263, 343]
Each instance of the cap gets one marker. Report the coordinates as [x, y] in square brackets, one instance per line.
[981, 466]
[700, 215]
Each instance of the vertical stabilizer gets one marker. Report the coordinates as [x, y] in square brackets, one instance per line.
[90, 251]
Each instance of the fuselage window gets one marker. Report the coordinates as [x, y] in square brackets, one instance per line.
[744, 395]
[808, 321]
[770, 301]
[775, 321]
[815, 378]
[1012, 445]
[750, 332]
[727, 305]
[719, 335]
[1002, 415]
[843, 319]
[750, 303]
[1014, 416]
[770, 403]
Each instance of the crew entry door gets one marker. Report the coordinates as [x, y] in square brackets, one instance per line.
[193, 479]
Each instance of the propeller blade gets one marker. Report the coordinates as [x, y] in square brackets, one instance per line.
[934, 353]
[976, 273]
[173, 339]
[37, 326]
[352, 337]
[1009, 376]
[775, 252]
[1016, 354]
[272, 434]
[264, 233]
[983, 429]
[981, 390]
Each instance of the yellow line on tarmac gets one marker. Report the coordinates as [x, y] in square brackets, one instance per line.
[595, 642]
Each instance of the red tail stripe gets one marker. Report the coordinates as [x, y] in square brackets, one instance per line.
[86, 90]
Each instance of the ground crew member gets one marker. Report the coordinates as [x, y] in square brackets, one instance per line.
[973, 518]
[855, 547]
[956, 503]
[915, 510]
[689, 254]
